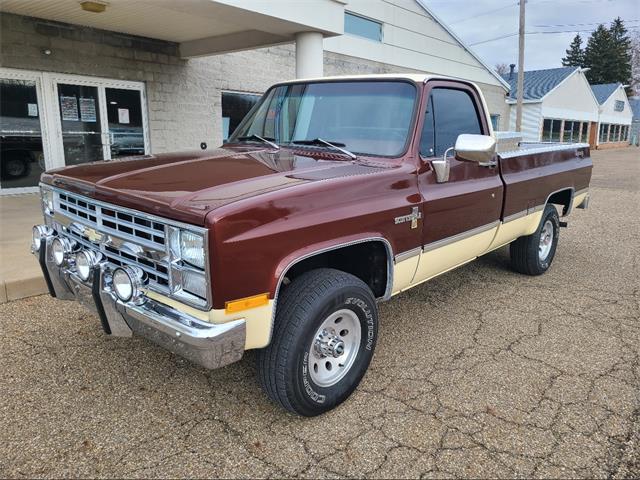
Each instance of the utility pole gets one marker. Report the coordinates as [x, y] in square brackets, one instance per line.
[520, 68]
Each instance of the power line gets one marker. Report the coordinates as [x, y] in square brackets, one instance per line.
[494, 39]
[539, 33]
[485, 13]
[581, 24]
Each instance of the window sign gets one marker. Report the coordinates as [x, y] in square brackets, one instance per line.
[87, 109]
[69, 108]
[123, 115]
[32, 109]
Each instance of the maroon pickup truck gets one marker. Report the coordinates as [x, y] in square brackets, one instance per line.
[331, 195]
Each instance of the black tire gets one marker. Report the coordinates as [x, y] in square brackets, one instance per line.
[284, 365]
[525, 256]
[15, 165]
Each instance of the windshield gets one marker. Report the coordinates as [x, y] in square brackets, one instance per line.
[370, 118]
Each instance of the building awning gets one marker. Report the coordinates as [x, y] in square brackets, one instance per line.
[200, 27]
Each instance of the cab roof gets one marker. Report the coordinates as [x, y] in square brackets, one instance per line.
[414, 77]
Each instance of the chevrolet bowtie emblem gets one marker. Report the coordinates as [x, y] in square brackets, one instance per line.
[93, 235]
[413, 217]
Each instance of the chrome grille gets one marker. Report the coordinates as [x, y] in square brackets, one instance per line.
[124, 224]
[157, 271]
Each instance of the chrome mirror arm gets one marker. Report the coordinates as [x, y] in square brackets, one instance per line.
[442, 167]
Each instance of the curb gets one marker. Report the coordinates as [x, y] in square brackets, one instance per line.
[11, 290]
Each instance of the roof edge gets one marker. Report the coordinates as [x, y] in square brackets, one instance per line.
[502, 81]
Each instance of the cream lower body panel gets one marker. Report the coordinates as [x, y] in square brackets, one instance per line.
[258, 320]
[436, 261]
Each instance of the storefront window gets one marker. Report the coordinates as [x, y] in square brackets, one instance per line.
[551, 130]
[568, 128]
[584, 132]
[603, 132]
[495, 121]
[575, 132]
[124, 113]
[81, 126]
[235, 107]
[21, 153]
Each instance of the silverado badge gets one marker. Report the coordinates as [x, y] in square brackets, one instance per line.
[413, 217]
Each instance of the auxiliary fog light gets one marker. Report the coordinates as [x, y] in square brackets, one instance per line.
[128, 282]
[38, 234]
[85, 261]
[61, 249]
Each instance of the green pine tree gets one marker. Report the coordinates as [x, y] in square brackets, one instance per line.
[575, 53]
[599, 56]
[621, 68]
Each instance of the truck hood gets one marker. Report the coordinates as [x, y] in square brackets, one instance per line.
[187, 186]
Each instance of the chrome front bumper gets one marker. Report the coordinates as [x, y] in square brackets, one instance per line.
[206, 344]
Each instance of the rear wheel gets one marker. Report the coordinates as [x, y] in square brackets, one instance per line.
[533, 254]
[324, 336]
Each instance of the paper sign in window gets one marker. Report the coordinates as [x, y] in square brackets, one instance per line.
[88, 109]
[32, 109]
[123, 115]
[69, 108]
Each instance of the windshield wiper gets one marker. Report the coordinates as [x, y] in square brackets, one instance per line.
[334, 145]
[268, 141]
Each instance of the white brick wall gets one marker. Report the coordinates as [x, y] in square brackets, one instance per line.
[183, 96]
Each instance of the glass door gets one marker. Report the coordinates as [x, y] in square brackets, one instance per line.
[82, 132]
[97, 119]
[125, 122]
[21, 144]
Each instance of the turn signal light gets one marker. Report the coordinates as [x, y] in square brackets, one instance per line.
[246, 303]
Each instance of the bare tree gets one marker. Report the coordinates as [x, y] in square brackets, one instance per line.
[501, 68]
[635, 63]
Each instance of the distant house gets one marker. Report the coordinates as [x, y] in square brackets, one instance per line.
[634, 136]
[614, 116]
[559, 106]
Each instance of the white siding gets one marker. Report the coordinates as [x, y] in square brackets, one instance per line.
[608, 113]
[531, 121]
[571, 100]
[412, 39]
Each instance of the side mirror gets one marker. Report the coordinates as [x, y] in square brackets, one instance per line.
[476, 148]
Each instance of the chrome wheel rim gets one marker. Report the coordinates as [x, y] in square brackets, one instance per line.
[334, 348]
[546, 240]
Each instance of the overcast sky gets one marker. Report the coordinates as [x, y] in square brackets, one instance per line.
[471, 21]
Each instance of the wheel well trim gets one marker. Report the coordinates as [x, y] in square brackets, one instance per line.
[572, 191]
[320, 251]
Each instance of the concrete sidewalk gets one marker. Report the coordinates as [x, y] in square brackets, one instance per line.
[20, 274]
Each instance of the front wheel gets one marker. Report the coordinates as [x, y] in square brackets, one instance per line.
[324, 336]
[533, 254]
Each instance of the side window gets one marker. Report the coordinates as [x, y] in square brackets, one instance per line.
[455, 113]
[427, 140]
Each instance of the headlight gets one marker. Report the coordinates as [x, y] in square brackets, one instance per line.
[85, 261]
[61, 249]
[46, 195]
[128, 282]
[39, 233]
[192, 248]
[188, 247]
[195, 283]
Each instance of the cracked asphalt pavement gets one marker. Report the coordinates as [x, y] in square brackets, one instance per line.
[479, 373]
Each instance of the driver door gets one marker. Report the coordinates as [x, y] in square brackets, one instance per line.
[461, 215]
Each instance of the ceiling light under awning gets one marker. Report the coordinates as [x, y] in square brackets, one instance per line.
[95, 7]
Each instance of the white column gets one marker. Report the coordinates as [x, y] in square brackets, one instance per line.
[309, 55]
